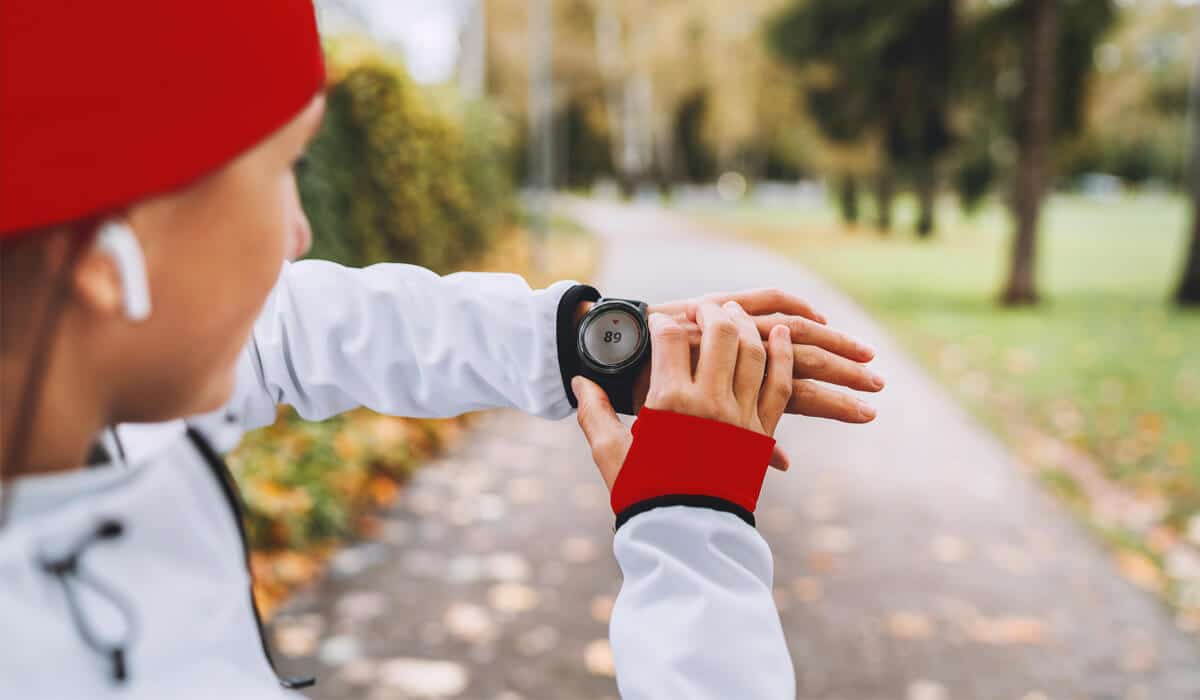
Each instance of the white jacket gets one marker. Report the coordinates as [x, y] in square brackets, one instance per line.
[167, 581]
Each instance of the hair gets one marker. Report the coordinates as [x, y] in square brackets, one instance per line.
[22, 267]
[23, 273]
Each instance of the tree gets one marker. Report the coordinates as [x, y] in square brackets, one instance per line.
[1189, 285]
[1037, 115]
[878, 71]
[1027, 87]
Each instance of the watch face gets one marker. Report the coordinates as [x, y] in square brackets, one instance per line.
[612, 337]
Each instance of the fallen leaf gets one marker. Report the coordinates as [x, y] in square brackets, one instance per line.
[601, 607]
[1005, 631]
[909, 625]
[597, 657]
[512, 597]
[1140, 570]
[807, 589]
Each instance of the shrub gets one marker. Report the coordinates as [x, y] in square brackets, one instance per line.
[399, 173]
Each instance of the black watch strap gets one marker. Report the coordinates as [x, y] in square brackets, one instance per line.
[569, 363]
[619, 387]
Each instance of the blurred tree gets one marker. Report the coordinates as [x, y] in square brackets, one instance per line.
[1189, 286]
[1036, 124]
[886, 79]
[675, 88]
[1137, 107]
[695, 159]
[848, 198]
[586, 153]
[1025, 91]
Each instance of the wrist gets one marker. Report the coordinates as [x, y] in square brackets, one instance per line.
[581, 310]
[678, 459]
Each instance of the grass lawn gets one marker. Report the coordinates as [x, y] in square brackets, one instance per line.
[1105, 364]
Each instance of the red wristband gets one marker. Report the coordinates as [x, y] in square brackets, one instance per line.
[679, 455]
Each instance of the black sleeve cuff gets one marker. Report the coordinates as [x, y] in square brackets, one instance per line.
[568, 356]
[692, 501]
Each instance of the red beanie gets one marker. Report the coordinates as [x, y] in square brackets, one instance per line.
[104, 102]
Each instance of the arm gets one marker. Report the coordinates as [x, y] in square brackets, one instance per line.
[695, 617]
[402, 340]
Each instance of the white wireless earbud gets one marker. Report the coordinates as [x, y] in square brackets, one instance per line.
[117, 240]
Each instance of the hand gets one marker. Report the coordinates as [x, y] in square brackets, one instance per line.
[735, 380]
[822, 355]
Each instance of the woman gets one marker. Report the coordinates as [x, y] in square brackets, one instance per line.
[147, 210]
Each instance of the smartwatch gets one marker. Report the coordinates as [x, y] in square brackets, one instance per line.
[611, 346]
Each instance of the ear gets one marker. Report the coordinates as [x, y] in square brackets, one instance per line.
[96, 283]
[116, 241]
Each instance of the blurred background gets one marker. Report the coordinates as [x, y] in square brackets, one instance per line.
[1001, 185]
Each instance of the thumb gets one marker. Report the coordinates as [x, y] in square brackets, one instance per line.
[779, 459]
[606, 434]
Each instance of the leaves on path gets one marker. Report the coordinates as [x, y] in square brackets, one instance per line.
[424, 678]
[1141, 570]
[512, 597]
[597, 657]
[909, 626]
[601, 608]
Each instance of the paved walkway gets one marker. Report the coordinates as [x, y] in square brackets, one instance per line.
[914, 559]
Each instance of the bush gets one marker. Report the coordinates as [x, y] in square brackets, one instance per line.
[398, 173]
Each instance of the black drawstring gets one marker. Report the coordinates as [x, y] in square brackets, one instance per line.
[224, 477]
[67, 570]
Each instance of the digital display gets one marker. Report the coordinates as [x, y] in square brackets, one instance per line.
[612, 337]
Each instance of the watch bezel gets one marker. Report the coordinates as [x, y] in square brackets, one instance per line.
[600, 307]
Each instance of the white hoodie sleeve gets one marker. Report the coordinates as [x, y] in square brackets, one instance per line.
[401, 340]
[695, 617]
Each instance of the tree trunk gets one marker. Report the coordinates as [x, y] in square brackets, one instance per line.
[926, 199]
[848, 199]
[1034, 135]
[1189, 286]
[885, 189]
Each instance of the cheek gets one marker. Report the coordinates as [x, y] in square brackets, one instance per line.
[221, 272]
[262, 245]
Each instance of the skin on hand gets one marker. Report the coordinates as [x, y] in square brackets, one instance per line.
[823, 358]
[736, 380]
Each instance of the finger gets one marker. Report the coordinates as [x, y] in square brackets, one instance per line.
[815, 363]
[670, 354]
[771, 301]
[751, 360]
[780, 459]
[606, 435]
[756, 302]
[805, 332]
[777, 386]
[812, 399]
[718, 350]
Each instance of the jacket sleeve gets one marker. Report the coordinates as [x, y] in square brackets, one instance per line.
[401, 340]
[695, 617]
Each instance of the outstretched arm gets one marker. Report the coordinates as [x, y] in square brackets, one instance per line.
[402, 340]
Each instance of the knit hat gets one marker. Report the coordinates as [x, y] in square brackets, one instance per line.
[106, 102]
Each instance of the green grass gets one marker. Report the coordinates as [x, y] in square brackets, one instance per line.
[1105, 363]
